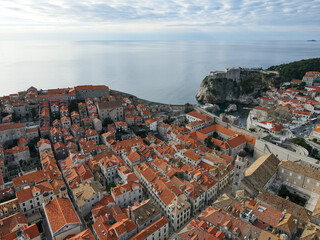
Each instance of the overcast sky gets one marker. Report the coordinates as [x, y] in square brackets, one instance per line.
[160, 20]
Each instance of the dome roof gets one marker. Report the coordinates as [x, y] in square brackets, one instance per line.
[242, 153]
[45, 194]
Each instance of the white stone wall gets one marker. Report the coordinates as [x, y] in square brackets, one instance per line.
[263, 147]
[128, 198]
[161, 234]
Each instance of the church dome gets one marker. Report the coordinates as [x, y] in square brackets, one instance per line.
[242, 153]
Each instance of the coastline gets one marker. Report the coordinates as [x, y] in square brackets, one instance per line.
[147, 102]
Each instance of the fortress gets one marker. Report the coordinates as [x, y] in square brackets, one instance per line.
[229, 73]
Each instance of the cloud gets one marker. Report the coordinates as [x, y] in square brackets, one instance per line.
[153, 16]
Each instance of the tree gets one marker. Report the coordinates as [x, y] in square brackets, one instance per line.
[208, 142]
[73, 106]
[169, 120]
[107, 121]
[217, 148]
[296, 70]
[215, 135]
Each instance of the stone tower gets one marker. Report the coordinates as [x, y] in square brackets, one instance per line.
[241, 164]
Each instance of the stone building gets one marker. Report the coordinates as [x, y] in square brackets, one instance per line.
[260, 175]
[241, 164]
[12, 131]
[113, 110]
[91, 91]
[228, 73]
[61, 218]
[144, 213]
[303, 179]
[127, 194]
[86, 195]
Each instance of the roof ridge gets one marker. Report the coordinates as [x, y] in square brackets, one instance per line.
[63, 216]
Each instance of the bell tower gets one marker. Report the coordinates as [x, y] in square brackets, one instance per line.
[241, 164]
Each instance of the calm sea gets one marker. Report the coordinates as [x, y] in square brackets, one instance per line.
[169, 72]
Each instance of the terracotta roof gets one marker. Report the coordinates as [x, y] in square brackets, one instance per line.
[59, 145]
[129, 187]
[150, 229]
[134, 156]
[192, 155]
[55, 95]
[302, 112]
[150, 120]
[6, 126]
[91, 87]
[57, 90]
[260, 108]
[199, 116]
[9, 223]
[166, 196]
[32, 231]
[36, 177]
[59, 213]
[84, 235]
[236, 140]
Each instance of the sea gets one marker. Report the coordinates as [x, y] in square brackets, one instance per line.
[161, 71]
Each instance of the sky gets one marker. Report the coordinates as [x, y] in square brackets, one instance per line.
[159, 20]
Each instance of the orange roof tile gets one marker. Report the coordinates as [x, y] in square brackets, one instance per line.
[60, 212]
[84, 235]
[145, 233]
[6, 126]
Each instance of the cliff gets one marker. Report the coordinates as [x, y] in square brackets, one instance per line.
[243, 88]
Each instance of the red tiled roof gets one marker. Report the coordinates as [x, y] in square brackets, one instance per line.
[59, 213]
[302, 112]
[236, 141]
[36, 177]
[166, 196]
[260, 108]
[91, 87]
[9, 223]
[199, 116]
[192, 155]
[150, 229]
[84, 235]
[6, 126]
[32, 231]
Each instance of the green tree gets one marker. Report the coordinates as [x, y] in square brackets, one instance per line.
[107, 121]
[208, 142]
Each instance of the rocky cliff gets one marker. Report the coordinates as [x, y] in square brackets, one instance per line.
[245, 90]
